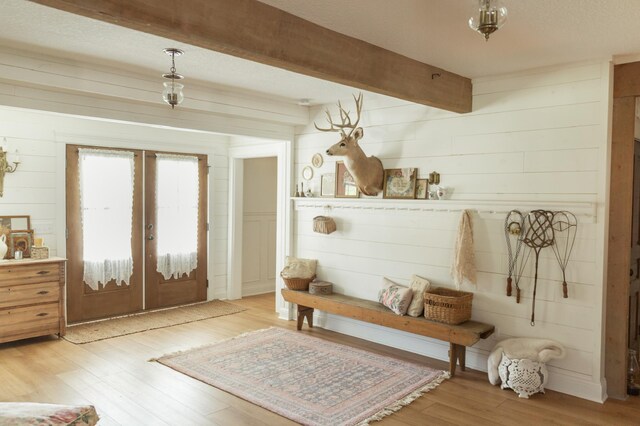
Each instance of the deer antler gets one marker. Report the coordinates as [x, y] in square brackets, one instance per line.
[344, 118]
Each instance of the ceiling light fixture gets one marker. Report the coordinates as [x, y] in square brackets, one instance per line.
[491, 16]
[172, 93]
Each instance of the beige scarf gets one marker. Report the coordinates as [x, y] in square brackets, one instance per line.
[464, 258]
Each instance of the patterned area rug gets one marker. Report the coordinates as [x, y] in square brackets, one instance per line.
[307, 379]
[120, 326]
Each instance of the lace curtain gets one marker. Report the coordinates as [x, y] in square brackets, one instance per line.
[106, 204]
[177, 214]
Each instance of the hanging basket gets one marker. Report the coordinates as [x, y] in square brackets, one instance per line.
[447, 306]
[323, 224]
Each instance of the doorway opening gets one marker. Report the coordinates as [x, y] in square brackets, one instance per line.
[280, 151]
[259, 213]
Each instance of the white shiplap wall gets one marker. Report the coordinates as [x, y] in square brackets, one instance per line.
[37, 188]
[536, 136]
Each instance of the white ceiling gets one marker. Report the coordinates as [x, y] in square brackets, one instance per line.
[538, 33]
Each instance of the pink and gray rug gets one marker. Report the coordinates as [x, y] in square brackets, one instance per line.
[307, 379]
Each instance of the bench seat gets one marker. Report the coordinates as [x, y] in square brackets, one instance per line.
[459, 336]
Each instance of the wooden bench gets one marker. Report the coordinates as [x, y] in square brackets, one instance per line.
[459, 336]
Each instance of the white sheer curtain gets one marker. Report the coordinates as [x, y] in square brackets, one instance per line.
[106, 203]
[177, 214]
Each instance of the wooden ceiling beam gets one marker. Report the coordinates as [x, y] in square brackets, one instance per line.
[255, 31]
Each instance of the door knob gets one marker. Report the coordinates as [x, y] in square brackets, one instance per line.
[150, 237]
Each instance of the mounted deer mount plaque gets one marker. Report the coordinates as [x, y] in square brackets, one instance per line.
[367, 172]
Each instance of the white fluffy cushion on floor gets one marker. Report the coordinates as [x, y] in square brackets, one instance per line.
[35, 414]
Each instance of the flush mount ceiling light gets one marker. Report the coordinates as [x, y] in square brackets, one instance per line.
[491, 16]
[172, 93]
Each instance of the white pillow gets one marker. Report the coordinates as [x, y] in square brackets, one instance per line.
[418, 285]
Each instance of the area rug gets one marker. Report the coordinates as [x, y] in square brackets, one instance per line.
[120, 326]
[306, 379]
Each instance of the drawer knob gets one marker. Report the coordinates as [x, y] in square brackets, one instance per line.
[43, 292]
[42, 314]
[43, 272]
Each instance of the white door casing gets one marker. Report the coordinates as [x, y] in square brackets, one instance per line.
[281, 150]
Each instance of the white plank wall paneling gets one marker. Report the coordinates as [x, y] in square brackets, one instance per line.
[37, 187]
[537, 136]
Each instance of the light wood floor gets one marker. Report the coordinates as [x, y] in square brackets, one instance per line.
[115, 376]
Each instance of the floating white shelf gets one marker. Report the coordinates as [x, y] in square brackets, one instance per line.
[493, 209]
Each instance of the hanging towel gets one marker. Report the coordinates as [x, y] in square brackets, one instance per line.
[464, 258]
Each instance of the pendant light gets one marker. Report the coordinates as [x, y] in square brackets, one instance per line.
[172, 93]
[491, 15]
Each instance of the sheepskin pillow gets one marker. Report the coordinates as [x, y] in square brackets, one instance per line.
[418, 285]
[299, 268]
[395, 296]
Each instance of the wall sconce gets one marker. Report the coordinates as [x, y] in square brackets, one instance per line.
[172, 93]
[434, 178]
[5, 167]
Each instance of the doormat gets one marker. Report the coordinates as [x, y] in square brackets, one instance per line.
[136, 323]
[306, 379]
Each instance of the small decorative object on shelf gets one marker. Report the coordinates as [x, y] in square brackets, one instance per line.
[400, 183]
[317, 160]
[328, 185]
[39, 252]
[4, 248]
[422, 189]
[308, 194]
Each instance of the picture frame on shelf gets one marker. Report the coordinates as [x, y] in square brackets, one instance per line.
[21, 240]
[345, 183]
[16, 223]
[400, 184]
[328, 185]
[422, 189]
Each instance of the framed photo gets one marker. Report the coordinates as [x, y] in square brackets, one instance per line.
[422, 189]
[400, 183]
[345, 184]
[15, 223]
[21, 240]
[328, 185]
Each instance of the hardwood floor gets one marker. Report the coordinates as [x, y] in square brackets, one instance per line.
[126, 389]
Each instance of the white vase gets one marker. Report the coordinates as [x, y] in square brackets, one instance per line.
[3, 247]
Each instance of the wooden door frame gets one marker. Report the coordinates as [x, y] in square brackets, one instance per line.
[626, 87]
[237, 155]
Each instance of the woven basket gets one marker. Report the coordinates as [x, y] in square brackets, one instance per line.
[39, 252]
[323, 224]
[301, 284]
[447, 306]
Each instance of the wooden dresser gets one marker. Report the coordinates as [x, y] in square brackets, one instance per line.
[31, 298]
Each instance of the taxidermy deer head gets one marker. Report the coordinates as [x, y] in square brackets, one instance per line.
[367, 172]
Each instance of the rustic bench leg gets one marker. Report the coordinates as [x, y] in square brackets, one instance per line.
[457, 353]
[305, 312]
[453, 358]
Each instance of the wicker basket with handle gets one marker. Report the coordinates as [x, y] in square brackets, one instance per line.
[301, 284]
[324, 225]
[447, 306]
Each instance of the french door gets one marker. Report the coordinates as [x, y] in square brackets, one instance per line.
[136, 231]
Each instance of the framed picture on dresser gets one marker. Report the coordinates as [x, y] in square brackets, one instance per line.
[20, 240]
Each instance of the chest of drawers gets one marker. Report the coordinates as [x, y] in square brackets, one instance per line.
[31, 298]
